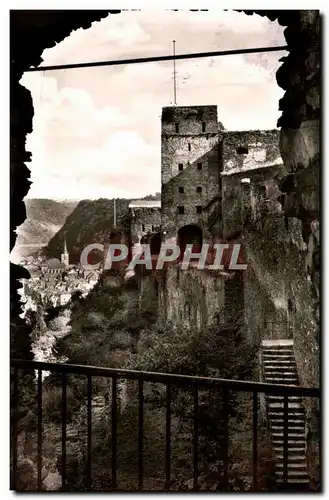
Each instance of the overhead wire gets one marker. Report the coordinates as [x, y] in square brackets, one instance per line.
[170, 57]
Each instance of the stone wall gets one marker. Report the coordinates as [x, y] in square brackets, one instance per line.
[144, 220]
[245, 150]
[300, 77]
[249, 196]
[193, 297]
[278, 292]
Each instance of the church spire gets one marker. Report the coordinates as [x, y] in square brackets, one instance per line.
[65, 257]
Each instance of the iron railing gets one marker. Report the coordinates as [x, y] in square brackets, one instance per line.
[169, 380]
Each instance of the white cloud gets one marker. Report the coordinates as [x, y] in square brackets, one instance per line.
[126, 34]
[96, 131]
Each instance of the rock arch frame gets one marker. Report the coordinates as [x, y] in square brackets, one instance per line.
[299, 75]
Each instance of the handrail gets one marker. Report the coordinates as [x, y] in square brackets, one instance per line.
[238, 385]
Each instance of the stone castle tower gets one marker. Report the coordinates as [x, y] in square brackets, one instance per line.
[190, 169]
[65, 257]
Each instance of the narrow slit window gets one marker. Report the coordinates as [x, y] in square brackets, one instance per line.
[177, 128]
[143, 227]
[203, 126]
[198, 209]
[199, 189]
[181, 189]
[189, 146]
[180, 210]
[180, 167]
[242, 150]
[199, 166]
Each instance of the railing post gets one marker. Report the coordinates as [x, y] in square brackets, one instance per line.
[114, 432]
[168, 435]
[195, 436]
[39, 412]
[254, 440]
[14, 428]
[285, 440]
[89, 429]
[140, 433]
[169, 380]
[225, 456]
[64, 413]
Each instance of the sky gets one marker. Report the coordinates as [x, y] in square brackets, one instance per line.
[97, 131]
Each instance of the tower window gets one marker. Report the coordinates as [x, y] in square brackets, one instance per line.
[180, 167]
[199, 166]
[177, 128]
[199, 189]
[180, 210]
[181, 189]
[242, 150]
[143, 227]
[203, 126]
[189, 146]
[198, 209]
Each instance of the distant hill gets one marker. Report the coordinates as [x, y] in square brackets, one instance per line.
[44, 219]
[91, 221]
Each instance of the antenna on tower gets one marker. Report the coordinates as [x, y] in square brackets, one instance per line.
[114, 213]
[174, 72]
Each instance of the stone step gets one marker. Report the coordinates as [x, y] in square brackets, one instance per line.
[291, 434]
[291, 429]
[280, 373]
[274, 401]
[292, 466]
[291, 458]
[293, 413]
[293, 450]
[279, 437]
[280, 367]
[277, 380]
[281, 425]
[278, 407]
[291, 399]
[292, 442]
[276, 368]
[276, 363]
[282, 352]
[277, 342]
[293, 474]
[275, 418]
[279, 422]
[294, 481]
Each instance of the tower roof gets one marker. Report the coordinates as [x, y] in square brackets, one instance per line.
[145, 204]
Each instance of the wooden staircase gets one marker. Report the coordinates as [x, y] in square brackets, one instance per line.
[279, 367]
